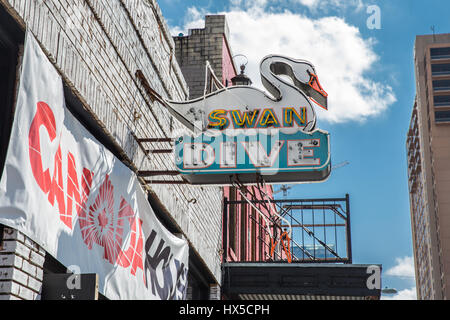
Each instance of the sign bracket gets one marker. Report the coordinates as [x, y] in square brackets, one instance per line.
[177, 182]
[150, 173]
[155, 173]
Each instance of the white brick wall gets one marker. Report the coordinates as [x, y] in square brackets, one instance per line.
[21, 266]
[97, 46]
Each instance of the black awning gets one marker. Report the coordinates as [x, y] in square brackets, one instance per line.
[282, 281]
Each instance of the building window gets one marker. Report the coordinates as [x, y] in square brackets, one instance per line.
[440, 69]
[441, 85]
[253, 241]
[440, 53]
[262, 236]
[243, 232]
[440, 101]
[232, 220]
[442, 116]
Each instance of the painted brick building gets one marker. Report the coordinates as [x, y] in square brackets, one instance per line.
[97, 47]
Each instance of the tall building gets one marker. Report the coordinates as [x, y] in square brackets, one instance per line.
[428, 153]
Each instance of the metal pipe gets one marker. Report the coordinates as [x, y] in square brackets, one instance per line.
[225, 230]
[164, 182]
[160, 151]
[145, 173]
[290, 200]
[317, 225]
[155, 140]
[349, 236]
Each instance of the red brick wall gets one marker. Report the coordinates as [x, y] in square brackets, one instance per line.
[247, 231]
[228, 69]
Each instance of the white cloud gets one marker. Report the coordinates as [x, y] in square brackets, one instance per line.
[406, 294]
[325, 5]
[404, 268]
[342, 57]
[313, 5]
[309, 3]
[249, 3]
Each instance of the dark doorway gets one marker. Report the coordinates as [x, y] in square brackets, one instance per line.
[11, 37]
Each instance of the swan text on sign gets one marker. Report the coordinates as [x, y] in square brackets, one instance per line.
[257, 118]
[247, 106]
[279, 157]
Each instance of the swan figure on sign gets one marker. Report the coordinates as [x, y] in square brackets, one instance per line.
[249, 107]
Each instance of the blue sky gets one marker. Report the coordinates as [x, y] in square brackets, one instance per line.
[370, 107]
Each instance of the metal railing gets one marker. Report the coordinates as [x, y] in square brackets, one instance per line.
[320, 230]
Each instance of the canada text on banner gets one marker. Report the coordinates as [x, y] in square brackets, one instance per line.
[68, 193]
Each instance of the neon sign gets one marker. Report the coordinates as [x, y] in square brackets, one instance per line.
[280, 158]
[244, 131]
[222, 119]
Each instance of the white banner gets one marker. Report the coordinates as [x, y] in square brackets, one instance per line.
[68, 193]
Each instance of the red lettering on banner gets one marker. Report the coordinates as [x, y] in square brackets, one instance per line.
[133, 255]
[44, 117]
[86, 184]
[73, 194]
[57, 189]
[98, 222]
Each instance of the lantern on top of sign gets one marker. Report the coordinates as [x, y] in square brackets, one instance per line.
[241, 79]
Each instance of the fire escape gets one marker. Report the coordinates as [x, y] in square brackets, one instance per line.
[295, 230]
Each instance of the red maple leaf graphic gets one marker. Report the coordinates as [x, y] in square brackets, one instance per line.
[98, 225]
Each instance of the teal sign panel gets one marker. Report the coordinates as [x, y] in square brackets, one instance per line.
[279, 157]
